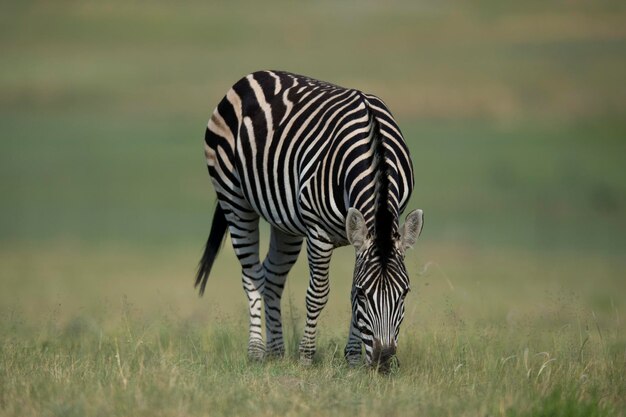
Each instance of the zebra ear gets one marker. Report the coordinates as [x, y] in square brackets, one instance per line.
[356, 229]
[411, 228]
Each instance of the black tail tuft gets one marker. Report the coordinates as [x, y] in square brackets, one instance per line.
[218, 231]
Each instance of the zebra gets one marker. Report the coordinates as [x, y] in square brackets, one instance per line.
[323, 163]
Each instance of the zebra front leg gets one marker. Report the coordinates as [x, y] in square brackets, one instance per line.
[244, 233]
[353, 350]
[283, 253]
[318, 254]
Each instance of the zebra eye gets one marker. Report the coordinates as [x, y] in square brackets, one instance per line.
[360, 295]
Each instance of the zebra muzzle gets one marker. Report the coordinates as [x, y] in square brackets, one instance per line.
[383, 356]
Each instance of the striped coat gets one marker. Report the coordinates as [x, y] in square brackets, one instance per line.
[307, 156]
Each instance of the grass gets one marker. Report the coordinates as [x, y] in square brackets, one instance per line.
[164, 368]
[117, 333]
[169, 367]
[514, 116]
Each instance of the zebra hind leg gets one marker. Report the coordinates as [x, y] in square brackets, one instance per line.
[244, 233]
[283, 253]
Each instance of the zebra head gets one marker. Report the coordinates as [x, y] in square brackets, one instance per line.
[380, 285]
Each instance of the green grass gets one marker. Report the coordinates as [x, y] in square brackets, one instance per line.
[168, 366]
[118, 331]
[174, 367]
[515, 118]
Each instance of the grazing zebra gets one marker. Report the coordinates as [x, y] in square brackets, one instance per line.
[320, 162]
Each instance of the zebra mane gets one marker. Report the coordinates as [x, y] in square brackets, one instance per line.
[383, 216]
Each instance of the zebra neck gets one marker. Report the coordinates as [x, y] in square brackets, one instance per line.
[371, 195]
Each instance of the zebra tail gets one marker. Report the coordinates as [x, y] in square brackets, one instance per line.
[212, 248]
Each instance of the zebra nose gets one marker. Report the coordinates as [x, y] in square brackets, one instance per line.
[382, 355]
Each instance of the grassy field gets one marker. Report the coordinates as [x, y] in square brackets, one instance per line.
[516, 121]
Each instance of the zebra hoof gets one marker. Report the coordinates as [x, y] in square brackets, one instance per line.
[354, 361]
[256, 356]
[306, 360]
[276, 353]
[256, 351]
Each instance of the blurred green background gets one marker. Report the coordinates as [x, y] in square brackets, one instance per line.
[514, 114]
